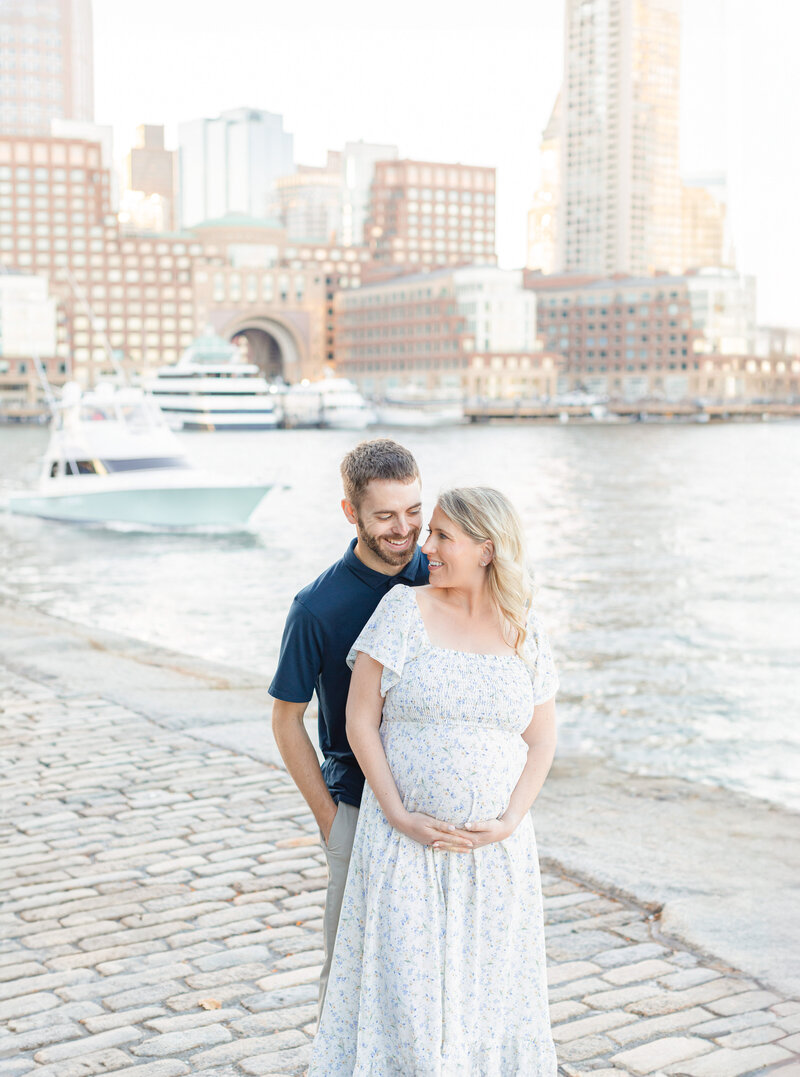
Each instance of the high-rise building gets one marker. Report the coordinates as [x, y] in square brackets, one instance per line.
[703, 233]
[310, 202]
[231, 164]
[620, 200]
[424, 215]
[542, 215]
[358, 171]
[150, 172]
[46, 64]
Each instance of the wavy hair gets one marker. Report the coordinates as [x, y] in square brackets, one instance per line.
[485, 514]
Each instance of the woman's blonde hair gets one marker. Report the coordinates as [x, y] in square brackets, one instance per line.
[485, 514]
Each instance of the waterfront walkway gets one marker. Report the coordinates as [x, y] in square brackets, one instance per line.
[162, 909]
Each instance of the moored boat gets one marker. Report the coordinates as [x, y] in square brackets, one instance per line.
[331, 403]
[111, 458]
[411, 405]
[211, 387]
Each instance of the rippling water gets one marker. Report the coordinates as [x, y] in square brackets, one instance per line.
[666, 559]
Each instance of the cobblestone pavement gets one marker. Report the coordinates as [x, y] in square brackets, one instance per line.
[162, 906]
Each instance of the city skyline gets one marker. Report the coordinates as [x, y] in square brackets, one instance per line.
[497, 98]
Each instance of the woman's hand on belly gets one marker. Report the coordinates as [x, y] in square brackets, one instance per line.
[429, 831]
[488, 831]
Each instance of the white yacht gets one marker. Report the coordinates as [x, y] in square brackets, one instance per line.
[331, 403]
[113, 459]
[211, 387]
[412, 405]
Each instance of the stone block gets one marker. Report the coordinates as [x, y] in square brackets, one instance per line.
[722, 1026]
[114, 1037]
[102, 1021]
[740, 1003]
[626, 955]
[659, 1026]
[669, 1001]
[589, 1026]
[752, 1037]
[654, 1056]
[182, 1041]
[564, 1011]
[163, 1023]
[278, 1064]
[293, 1017]
[88, 1065]
[621, 996]
[570, 970]
[248, 1047]
[727, 1063]
[639, 970]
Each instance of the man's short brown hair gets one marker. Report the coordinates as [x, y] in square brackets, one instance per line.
[380, 458]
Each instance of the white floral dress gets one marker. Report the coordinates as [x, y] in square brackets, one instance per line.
[439, 964]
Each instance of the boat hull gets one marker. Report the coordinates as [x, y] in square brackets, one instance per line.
[214, 422]
[349, 420]
[200, 506]
[401, 415]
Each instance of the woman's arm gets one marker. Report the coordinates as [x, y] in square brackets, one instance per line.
[540, 736]
[364, 709]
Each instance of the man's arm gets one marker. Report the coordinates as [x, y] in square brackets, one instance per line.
[298, 754]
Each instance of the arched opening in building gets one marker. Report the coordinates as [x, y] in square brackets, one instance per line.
[262, 349]
[268, 343]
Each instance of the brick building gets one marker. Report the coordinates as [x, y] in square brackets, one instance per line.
[147, 297]
[46, 64]
[660, 337]
[426, 328]
[423, 215]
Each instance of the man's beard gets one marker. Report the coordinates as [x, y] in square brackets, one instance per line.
[389, 556]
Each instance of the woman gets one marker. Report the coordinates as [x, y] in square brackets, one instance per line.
[439, 965]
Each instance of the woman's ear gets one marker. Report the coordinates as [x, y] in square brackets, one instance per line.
[487, 553]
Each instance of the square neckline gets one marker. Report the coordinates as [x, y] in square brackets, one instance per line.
[451, 650]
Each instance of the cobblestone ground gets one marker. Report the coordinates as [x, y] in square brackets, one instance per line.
[162, 913]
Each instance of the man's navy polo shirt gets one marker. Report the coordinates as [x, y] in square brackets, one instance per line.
[324, 622]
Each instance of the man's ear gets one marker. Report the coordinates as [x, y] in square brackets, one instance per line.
[349, 511]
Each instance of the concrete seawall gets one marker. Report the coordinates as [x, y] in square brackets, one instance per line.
[720, 871]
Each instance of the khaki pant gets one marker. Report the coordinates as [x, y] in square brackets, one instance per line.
[337, 851]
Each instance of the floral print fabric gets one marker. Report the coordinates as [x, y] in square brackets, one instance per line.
[439, 965]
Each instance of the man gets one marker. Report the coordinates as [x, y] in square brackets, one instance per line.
[383, 499]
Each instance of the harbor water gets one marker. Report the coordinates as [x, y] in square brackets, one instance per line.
[665, 558]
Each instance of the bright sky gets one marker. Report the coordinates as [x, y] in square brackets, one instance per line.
[463, 81]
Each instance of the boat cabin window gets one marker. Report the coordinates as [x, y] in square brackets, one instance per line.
[54, 469]
[85, 467]
[93, 413]
[145, 463]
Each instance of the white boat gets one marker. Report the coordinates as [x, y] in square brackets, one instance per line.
[412, 405]
[112, 459]
[331, 403]
[211, 387]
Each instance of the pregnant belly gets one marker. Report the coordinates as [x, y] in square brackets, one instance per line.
[457, 773]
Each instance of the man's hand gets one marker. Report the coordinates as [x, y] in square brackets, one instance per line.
[298, 754]
[429, 831]
[328, 813]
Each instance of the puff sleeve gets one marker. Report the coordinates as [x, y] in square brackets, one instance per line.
[539, 660]
[385, 636]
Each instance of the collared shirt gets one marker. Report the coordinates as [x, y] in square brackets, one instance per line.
[324, 621]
